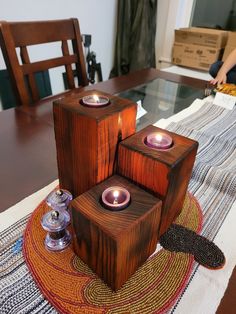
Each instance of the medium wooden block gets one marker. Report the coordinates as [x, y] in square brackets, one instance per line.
[165, 173]
[87, 139]
[115, 243]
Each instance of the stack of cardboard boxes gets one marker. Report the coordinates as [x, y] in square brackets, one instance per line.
[231, 44]
[198, 47]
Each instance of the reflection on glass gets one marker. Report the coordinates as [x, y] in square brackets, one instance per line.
[161, 99]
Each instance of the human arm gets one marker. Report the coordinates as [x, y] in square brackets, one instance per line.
[227, 65]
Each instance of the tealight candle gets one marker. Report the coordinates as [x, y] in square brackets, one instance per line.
[115, 198]
[95, 101]
[159, 140]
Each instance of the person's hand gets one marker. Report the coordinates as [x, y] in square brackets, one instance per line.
[219, 79]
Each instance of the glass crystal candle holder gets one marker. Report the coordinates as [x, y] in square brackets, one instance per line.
[59, 199]
[55, 223]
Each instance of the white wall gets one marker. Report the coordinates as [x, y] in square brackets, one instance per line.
[97, 18]
[171, 15]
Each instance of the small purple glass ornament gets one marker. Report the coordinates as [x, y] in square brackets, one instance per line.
[55, 223]
[59, 199]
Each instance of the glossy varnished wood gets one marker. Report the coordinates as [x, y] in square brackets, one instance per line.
[27, 156]
[21, 69]
[87, 139]
[43, 108]
[166, 173]
[228, 302]
[115, 244]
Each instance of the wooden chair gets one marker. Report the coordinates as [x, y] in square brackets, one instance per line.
[19, 35]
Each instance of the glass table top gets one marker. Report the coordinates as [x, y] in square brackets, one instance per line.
[161, 99]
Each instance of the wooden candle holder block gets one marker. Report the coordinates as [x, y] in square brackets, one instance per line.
[87, 139]
[115, 243]
[166, 173]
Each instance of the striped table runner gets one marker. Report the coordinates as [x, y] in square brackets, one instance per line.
[213, 183]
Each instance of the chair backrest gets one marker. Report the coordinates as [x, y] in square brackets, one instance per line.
[20, 35]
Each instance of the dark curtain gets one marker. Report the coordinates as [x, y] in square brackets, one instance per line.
[135, 38]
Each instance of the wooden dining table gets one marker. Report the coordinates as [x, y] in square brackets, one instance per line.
[28, 152]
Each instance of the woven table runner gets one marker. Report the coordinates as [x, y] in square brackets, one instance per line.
[213, 182]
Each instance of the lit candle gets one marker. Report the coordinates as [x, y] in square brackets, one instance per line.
[95, 101]
[115, 198]
[158, 140]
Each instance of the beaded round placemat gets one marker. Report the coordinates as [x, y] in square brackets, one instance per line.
[71, 287]
[181, 239]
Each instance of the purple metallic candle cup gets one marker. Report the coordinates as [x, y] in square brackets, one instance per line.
[115, 198]
[95, 101]
[158, 140]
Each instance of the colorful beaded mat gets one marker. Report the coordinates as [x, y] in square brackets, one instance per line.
[181, 239]
[71, 287]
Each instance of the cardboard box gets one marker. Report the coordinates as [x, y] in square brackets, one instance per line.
[198, 57]
[202, 36]
[231, 39]
[227, 51]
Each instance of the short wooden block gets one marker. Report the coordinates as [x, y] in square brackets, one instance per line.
[87, 139]
[115, 243]
[166, 173]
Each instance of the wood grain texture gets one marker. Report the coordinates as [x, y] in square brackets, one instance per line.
[115, 243]
[165, 173]
[27, 141]
[87, 139]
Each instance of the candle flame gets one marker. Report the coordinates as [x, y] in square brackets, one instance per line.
[96, 98]
[119, 121]
[158, 138]
[115, 194]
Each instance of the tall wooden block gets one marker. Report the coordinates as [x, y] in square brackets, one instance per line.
[166, 173]
[115, 243]
[87, 139]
